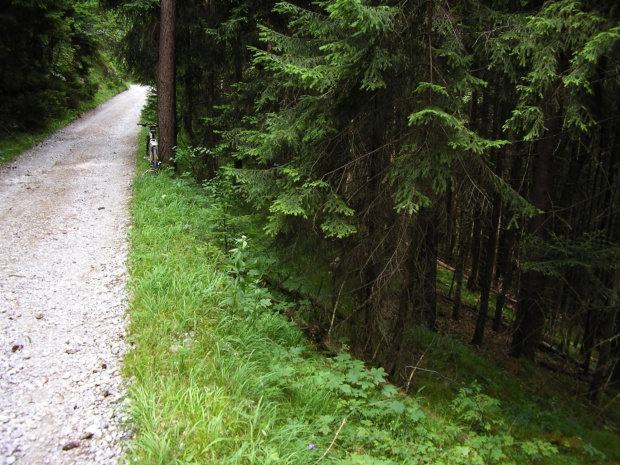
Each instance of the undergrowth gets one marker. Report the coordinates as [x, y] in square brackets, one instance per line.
[217, 374]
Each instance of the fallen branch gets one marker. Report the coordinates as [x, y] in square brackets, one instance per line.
[344, 420]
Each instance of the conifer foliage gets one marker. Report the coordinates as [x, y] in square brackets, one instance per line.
[400, 134]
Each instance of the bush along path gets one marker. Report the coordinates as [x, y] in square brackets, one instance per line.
[219, 375]
[63, 218]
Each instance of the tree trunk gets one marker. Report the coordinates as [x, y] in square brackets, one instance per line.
[238, 64]
[425, 297]
[486, 277]
[472, 281]
[166, 85]
[209, 159]
[530, 318]
[405, 303]
[608, 326]
[458, 278]
[187, 108]
[506, 269]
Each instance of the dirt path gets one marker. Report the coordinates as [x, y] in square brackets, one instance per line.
[63, 219]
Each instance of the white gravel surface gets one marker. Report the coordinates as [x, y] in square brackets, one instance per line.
[63, 224]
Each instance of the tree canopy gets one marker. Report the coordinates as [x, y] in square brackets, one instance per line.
[400, 135]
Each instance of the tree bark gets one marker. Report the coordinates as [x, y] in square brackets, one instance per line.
[608, 326]
[487, 273]
[458, 278]
[472, 281]
[425, 297]
[530, 317]
[166, 83]
[405, 304]
[209, 159]
[506, 270]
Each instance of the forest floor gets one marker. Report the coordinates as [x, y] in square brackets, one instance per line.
[63, 220]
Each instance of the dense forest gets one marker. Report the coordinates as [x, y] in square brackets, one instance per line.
[386, 138]
[387, 146]
[52, 59]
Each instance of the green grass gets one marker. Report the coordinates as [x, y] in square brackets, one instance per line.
[218, 375]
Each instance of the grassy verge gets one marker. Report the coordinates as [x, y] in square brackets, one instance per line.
[219, 375]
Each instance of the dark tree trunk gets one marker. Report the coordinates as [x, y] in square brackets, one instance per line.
[405, 304]
[238, 63]
[490, 248]
[530, 318]
[166, 85]
[186, 108]
[458, 278]
[608, 326]
[425, 299]
[486, 277]
[378, 216]
[418, 299]
[475, 239]
[506, 269]
[209, 158]
[188, 112]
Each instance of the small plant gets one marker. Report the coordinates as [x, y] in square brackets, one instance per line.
[226, 217]
[248, 296]
[489, 439]
[191, 159]
[353, 380]
[476, 409]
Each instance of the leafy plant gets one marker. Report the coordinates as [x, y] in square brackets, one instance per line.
[247, 296]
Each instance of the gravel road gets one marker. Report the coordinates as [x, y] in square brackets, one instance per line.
[63, 223]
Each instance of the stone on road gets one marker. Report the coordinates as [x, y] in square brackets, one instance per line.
[63, 223]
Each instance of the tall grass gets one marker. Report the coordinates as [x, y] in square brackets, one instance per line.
[200, 375]
[218, 376]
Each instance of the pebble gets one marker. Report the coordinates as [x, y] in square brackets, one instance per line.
[60, 317]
